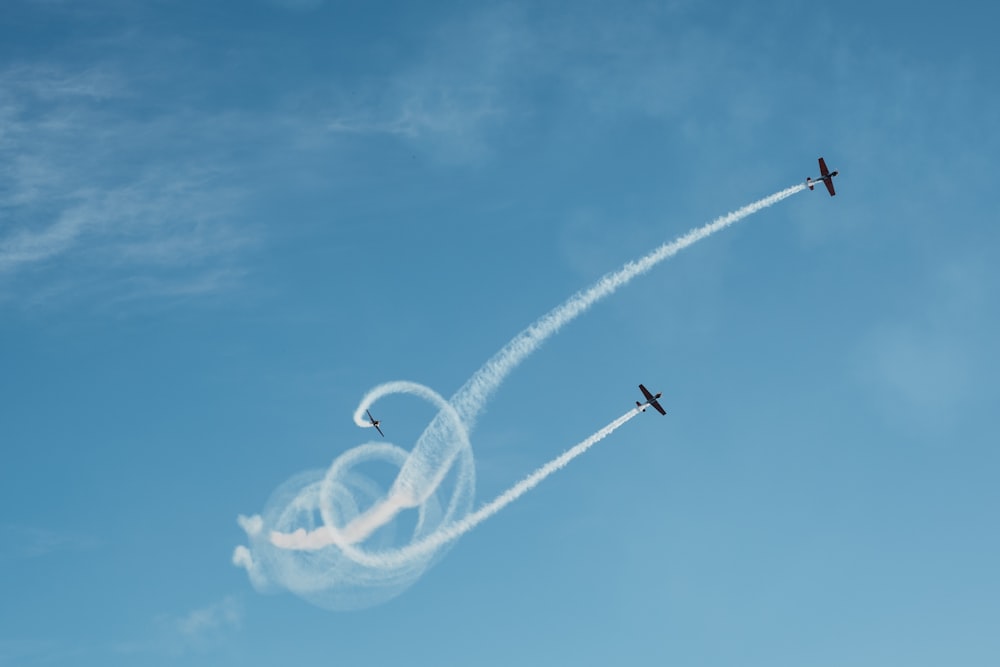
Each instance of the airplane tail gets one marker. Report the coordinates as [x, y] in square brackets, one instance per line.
[809, 182]
[639, 405]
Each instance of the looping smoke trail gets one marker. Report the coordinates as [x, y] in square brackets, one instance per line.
[320, 501]
[327, 535]
[308, 538]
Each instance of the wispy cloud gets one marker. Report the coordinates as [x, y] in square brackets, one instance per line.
[207, 624]
[920, 367]
[89, 191]
[452, 94]
[29, 246]
[51, 83]
[197, 630]
[478, 76]
[18, 541]
[20, 652]
[426, 112]
[920, 381]
[447, 121]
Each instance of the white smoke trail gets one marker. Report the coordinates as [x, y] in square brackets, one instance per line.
[323, 562]
[422, 471]
[469, 400]
[324, 537]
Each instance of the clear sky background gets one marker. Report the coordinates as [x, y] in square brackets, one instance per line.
[221, 223]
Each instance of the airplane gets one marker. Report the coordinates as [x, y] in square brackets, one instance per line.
[375, 423]
[825, 175]
[650, 400]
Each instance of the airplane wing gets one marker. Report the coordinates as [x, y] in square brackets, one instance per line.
[829, 186]
[652, 400]
[823, 171]
[374, 422]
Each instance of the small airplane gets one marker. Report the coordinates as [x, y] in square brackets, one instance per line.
[650, 400]
[825, 175]
[375, 423]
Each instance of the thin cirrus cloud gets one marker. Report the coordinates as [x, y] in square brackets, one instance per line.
[448, 120]
[421, 113]
[20, 651]
[492, 70]
[25, 247]
[460, 85]
[90, 191]
[22, 542]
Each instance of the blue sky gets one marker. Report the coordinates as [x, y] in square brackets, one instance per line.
[221, 224]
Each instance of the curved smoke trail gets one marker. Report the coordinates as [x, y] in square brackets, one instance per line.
[320, 557]
[330, 536]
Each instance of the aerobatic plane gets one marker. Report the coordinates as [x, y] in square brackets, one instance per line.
[375, 423]
[825, 175]
[650, 400]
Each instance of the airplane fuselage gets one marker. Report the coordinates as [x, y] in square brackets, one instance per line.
[810, 181]
[825, 177]
[642, 406]
[650, 400]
